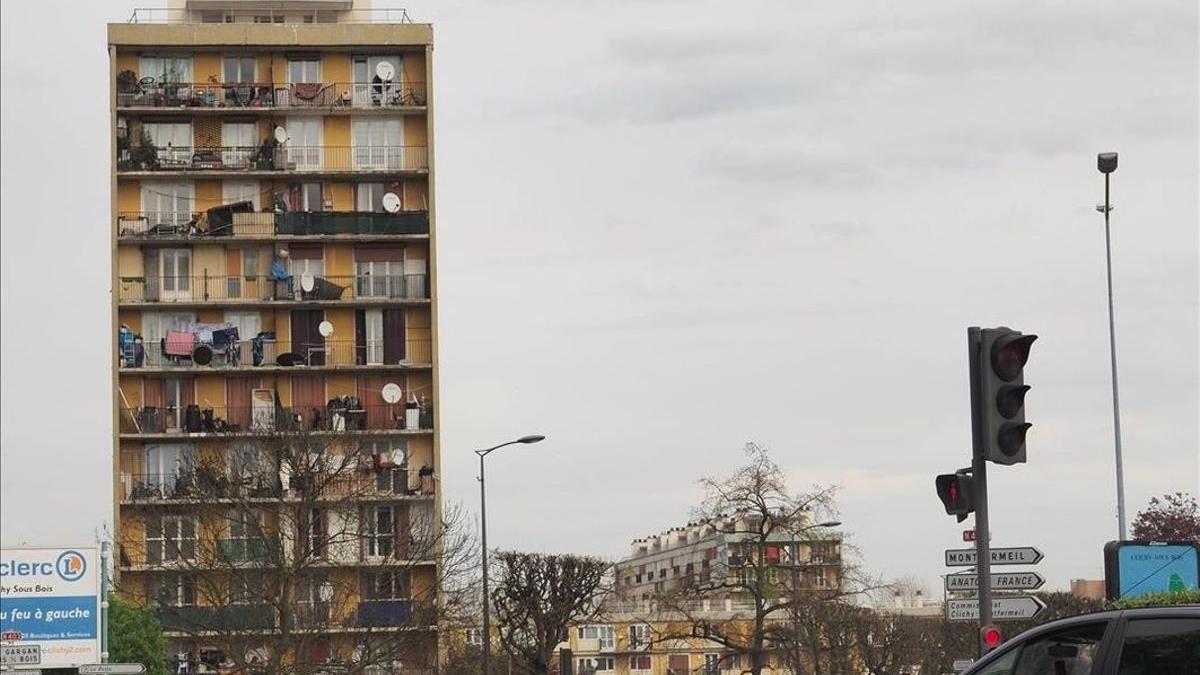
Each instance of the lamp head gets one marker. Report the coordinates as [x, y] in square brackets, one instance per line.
[1106, 162]
[531, 439]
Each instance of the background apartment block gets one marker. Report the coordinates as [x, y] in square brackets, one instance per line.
[274, 290]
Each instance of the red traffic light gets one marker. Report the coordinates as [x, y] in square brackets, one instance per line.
[1009, 354]
[990, 636]
[955, 491]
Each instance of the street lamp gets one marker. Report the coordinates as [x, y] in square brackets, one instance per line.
[1106, 162]
[487, 637]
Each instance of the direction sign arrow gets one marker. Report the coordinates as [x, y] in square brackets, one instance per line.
[112, 669]
[1000, 581]
[1022, 555]
[1011, 607]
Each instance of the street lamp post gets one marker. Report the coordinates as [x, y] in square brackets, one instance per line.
[487, 636]
[1106, 162]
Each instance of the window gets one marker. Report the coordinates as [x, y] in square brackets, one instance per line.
[155, 326]
[245, 542]
[166, 206]
[379, 535]
[369, 197]
[639, 636]
[368, 89]
[475, 637]
[1161, 646]
[167, 68]
[712, 664]
[604, 634]
[315, 538]
[173, 141]
[175, 273]
[640, 664]
[1070, 651]
[378, 143]
[168, 468]
[240, 141]
[170, 539]
[595, 664]
[245, 589]
[172, 590]
[304, 69]
[379, 279]
[240, 190]
[385, 585]
[305, 197]
[239, 69]
[390, 459]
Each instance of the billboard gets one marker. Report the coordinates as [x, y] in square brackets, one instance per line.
[1133, 568]
[50, 599]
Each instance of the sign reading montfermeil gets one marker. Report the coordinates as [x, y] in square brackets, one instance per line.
[50, 600]
[1022, 555]
[1011, 607]
[1000, 581]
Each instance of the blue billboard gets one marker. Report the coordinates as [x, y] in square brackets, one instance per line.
[1133, 568]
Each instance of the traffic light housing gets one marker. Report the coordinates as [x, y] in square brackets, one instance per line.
[1003, 354]
[957, 494]
[990, 637]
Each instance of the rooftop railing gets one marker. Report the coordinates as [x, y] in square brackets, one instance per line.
[231, 288]
[267, 352]
[290, 158]
[158, 15]
[148, 93]
[194, 225]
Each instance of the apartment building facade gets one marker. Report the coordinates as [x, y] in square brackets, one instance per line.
[274, 305]
[641, 634]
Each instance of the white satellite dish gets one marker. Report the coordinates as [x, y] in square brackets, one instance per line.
[281, 134]
[391, 202]
[325, 329]
[392, 393]
[385, 70]
[308, 282]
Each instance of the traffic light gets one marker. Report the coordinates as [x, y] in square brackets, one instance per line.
[1002, 390]
[955, 491]
[991, 637]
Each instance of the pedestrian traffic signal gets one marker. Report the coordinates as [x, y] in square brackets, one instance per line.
[991, 637]
[955, 491]
[1002, 390]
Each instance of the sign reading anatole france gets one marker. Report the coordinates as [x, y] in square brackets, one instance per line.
[50, 597]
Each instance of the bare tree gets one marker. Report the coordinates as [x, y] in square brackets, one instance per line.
[779, 561]
[538, 597]
[296, 553]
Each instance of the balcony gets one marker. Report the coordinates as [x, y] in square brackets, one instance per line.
[259, 290]
[267, 353]
[216, 486]
[336, 417]
[204, 226]
[394, 613]
[216, 619]
[242, 97]
[268, 160]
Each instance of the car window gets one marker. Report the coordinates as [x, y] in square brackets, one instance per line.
[1001, 666]
[1161, 646]
[1070, 651]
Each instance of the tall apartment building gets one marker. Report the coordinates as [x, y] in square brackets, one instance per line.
[275, 398]
[639, 634]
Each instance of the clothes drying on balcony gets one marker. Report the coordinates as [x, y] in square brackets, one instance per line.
[307, 91]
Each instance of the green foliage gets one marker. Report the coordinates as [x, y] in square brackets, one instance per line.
[1165, 599]
[135, 636]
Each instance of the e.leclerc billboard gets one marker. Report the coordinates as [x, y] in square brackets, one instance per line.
[50, 597]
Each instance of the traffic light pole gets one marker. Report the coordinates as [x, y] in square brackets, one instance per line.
[983, 552]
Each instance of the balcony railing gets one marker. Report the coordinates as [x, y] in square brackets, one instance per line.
[269, 16]
[289, 158]
[186, 225]
[332, 417]
[204, 483]
[147, 93]
[265, 352]
[260, 289]
[224, 618]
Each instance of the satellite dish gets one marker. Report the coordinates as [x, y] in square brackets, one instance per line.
[391, 202]
[392, 393]
[325, 329]
[385, 70]
[308, 282]
[281, 134]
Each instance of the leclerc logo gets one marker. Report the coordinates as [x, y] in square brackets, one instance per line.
[70, 566]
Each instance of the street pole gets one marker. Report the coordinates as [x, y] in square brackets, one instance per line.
[1112, 343]
[104, 544]
[487, 635]
[983, 553]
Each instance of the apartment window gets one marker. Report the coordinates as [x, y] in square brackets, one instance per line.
[378, 143]
[172, 590]
[639, 635]
[385, 585]
[369, 197]
[246, 589]
[604, 634]
[368, 89]
[241, 190]
[304, 69]
[175, 273]
[640, 664]
[380, 278]
[170, 539]
[173, 141]
[166, 206]
[167, 468]
[240, 141]
[475, 637]
[239, 69]
[305, 197]
[379, 536]
[166, 68]
[245, 542]
[268, 18]
[390, 458]
[595, 664]
[316, 532]
[712, 664]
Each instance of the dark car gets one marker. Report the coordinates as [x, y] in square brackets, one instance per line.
[1149, 641]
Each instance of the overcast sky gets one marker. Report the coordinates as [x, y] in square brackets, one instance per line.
[668, 228]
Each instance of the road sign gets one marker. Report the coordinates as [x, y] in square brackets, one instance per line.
[1000, 581]
[968, 535]
[51, 598]
[20, 655]
[112, 669]
[960, 665]
[1023, 555]
[1005, 608]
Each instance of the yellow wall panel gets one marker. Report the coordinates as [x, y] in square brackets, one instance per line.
[210, 391]
[129, 261]
[208, 259]
[335, 67]
[131, 318]
[127, 61]
[341, 195]
[210, 315]
[415, 132]
[339, 262]
[206, 67]
[131, 386]
[129, 196]
[208, 194]
[337, 134]
[413, 65]
[341, 352]
[341, 384]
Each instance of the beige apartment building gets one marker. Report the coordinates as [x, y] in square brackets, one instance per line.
[275, 379]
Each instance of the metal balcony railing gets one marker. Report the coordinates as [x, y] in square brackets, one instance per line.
[288, 158]
[259, 289]
[268, 352]
[196, 224]
[148, 93]
[371, 482]
[252, 420]
[268, 15]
